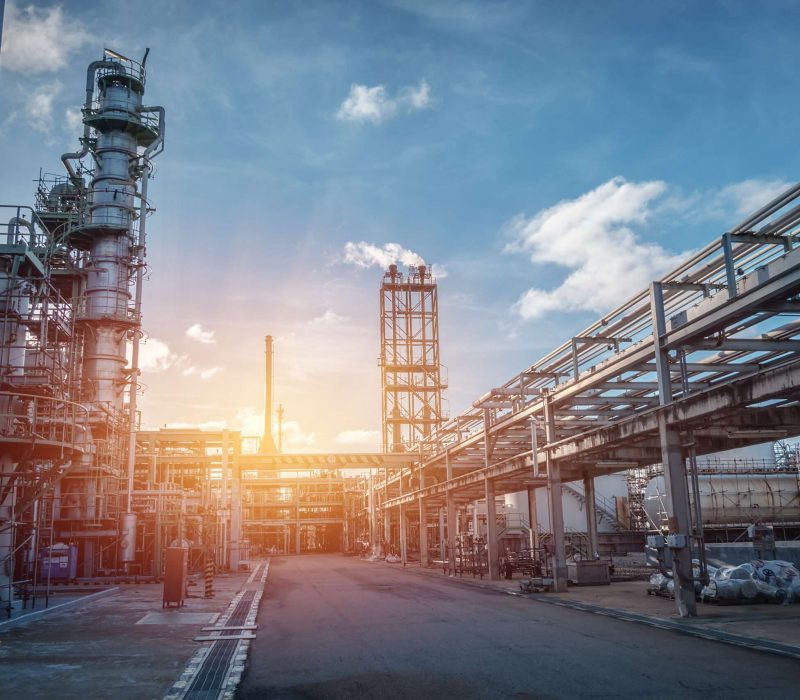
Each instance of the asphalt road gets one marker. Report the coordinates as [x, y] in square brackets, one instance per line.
[336, 627]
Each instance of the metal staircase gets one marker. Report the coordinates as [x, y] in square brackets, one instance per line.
[605, 507]
[514, 523]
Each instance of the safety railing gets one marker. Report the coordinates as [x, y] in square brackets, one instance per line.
[33, 417]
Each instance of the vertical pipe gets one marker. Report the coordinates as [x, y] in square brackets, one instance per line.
[137, 311]
[533, 517]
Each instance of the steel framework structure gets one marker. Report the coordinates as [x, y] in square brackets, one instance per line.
[410, 363]
[706, 359]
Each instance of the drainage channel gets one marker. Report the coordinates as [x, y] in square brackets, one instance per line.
[216, 669]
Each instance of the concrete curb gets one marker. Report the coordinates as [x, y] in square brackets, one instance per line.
[687, 627]
[38, 614]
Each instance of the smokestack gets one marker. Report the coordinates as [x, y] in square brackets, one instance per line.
[267, 441]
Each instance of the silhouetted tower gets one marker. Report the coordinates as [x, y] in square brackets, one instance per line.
[267, 441]
[410, 362]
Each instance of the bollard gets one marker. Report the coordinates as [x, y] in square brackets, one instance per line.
[208, 576]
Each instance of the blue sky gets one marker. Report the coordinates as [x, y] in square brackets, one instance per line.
[549, 158]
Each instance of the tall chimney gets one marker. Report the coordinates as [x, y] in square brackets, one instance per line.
[267, 441]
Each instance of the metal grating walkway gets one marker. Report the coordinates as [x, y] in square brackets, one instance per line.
[212, 673]
[216, 669]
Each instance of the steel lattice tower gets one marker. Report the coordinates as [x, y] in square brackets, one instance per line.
[410, 362]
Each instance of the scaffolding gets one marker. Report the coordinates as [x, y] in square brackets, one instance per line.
[410, 362]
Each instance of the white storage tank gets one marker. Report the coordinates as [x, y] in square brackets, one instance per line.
[735, 498]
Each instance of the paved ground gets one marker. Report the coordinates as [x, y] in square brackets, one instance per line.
[772, 623]
[120, 646]
[334, 627]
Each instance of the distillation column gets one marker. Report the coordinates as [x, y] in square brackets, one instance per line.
[122, 136]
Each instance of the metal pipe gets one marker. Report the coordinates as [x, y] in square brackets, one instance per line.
[13, 223]
[94, 66]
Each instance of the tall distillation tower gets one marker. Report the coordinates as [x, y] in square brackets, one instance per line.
[410, 363]
[71, 271]
[122, 136]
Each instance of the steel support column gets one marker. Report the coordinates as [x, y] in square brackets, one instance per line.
[491, 532]
[442, 535]
[452, 526]
[374, 542]
[403, 535]
[556, 505]
[387, 530]
[674, 469]
[423, 533]
[591, 516]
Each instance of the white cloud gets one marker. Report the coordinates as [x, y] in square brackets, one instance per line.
[748, 196]
[591, 235]
[39, 106]
[250, 421]
[366, 104]
[39, 40]
[73, 119]
[329, 318]
[373, 104]
[726, 205]
[294, 437]
[366, 255]
[419, 97]
[155, 356]
[368, 439]
[197, 333]
[194, 370]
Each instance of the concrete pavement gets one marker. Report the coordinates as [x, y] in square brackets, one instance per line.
[122, 646]
[772, 628]
[335, 627]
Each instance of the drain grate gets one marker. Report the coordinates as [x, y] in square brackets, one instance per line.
[216, 669]
[210, 678]
[237, 617]
[212, 673]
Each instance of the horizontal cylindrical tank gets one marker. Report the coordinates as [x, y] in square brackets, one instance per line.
[727, 498]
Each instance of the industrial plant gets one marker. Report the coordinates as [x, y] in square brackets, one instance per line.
[662, 433]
